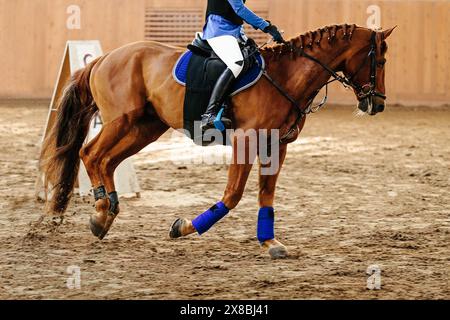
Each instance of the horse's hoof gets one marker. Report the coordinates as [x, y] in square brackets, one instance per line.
[176, 228]
[278, 252]
[275, 248]
[108, 223]
[96, 229]
[103, 234]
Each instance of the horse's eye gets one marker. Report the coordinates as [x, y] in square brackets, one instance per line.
[381, 63]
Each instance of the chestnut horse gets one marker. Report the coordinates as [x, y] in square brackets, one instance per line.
[138, 99]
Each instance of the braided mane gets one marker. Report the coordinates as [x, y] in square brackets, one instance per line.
[309, 39]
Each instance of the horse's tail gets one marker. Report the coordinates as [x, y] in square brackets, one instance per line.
[59, 161]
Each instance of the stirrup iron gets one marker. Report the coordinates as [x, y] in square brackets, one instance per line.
[218, 124]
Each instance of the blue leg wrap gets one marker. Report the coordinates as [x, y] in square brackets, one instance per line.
[266, 224]
[206, 220]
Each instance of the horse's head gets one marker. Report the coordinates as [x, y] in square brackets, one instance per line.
[365, 69]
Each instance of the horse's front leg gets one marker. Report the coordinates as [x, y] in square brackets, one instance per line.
[267, 185]
[242, 162]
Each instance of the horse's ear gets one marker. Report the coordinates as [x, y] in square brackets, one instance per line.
[387, 33]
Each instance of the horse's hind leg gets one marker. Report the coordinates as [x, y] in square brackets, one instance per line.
[267, 185]
[145, 131]
[92, 154]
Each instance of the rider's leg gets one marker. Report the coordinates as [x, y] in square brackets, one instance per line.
[216, 102]
[228, 50]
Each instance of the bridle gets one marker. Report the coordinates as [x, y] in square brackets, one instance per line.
[368, 90]
[365, 91]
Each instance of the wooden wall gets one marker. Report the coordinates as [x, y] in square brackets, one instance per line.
[419, 49]
[33, 34]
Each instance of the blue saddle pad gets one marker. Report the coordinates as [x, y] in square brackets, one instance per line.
[245, 81]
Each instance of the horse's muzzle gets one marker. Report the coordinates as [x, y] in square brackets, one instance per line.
[371, 105]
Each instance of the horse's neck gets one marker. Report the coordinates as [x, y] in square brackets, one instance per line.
[302, 77]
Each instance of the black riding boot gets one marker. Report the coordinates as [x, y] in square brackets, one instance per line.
[219, 93]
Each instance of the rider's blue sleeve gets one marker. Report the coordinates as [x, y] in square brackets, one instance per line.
[247, 15]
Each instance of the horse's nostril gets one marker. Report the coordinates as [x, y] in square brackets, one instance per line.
[380, 108]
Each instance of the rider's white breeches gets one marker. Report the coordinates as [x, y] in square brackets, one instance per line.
[228, 50]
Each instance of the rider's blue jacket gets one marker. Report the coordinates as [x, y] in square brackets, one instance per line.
[217, 25]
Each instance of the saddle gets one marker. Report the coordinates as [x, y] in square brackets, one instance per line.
[200, 47]
[198, 69]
